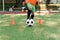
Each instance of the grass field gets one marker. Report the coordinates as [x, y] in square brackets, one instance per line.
[49, 30]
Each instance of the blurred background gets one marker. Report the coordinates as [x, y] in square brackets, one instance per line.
[16, 5]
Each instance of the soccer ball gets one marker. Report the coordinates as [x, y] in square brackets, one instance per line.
[29, 22]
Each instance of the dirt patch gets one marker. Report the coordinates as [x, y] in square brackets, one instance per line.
[51, 23]
[52, 35]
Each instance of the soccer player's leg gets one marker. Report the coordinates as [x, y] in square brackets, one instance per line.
[33, 10]
[29, 10]
[28, 14]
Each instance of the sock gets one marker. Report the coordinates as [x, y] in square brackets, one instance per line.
[32, 16]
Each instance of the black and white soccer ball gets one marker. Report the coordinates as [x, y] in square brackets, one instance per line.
[30, 22]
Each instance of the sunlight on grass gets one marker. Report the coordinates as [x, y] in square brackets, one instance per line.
[4, 37]
[59, 29]
[51, 35]
[36, 31]
[21, 28]
[51, 23]
[4, 23]
[7, 15]
[49, 15]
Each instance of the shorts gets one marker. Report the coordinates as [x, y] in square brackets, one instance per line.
[32, 6]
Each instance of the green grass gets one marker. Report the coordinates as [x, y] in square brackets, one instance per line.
[49, 30]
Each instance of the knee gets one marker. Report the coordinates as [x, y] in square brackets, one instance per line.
[32, 13]
[30, 8]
